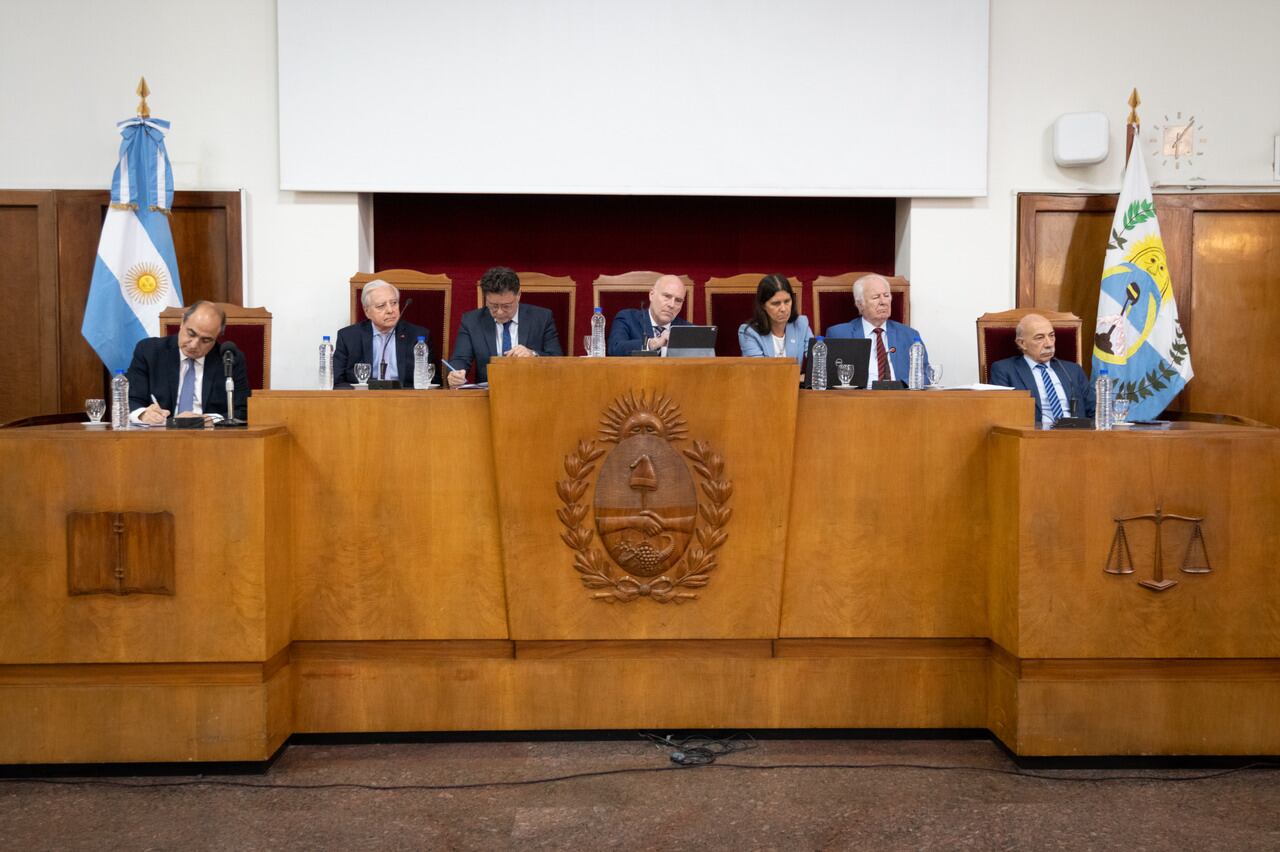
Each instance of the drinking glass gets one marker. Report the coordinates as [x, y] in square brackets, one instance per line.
[362, 372]
[431, 373]
[586, 345]
[844, 372]
[95, 408]
[1121, 409]
[935, 375]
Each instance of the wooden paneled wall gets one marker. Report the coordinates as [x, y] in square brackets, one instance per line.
[48, 246]
[1224, 259]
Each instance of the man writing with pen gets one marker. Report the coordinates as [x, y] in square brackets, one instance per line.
[502, 328]
[383, 341]
[185, 373]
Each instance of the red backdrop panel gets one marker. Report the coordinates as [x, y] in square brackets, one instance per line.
[586, 236]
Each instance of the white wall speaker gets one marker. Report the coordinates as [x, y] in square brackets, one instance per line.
[1081, 138]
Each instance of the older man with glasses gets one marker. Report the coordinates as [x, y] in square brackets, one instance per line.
[502, 328]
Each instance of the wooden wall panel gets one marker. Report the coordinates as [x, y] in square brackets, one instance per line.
[28, 323]
[48, 247]
[1236, 306]
[1224, 244]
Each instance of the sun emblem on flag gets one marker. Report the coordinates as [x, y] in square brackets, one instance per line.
[146, 283]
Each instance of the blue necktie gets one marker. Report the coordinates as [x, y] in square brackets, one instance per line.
[506, 337]
[187, 393]
[1050, 395]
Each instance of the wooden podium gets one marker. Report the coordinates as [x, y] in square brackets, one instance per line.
[634, 543]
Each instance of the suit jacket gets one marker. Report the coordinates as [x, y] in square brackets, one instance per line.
[900, 337]
[1015, 373]
[795, 339]
[355, 346]
[154, 371]
[631, 328]
[478, 337]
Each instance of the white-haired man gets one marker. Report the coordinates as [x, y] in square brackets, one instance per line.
[1059, 387]
[382, 339]
[890, 340]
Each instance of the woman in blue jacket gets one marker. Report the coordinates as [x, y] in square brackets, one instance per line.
[776, 330]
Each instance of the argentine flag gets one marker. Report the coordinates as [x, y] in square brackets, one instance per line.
[136, 274]
[1138, 337]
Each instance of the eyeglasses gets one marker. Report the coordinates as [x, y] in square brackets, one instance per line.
[494, 307]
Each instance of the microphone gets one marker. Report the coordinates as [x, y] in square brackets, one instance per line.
[382, 356]
[229, 353]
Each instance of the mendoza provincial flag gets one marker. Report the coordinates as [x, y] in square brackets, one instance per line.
[136, 275]
[1138, 337]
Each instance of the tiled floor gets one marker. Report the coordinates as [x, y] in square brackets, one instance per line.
[627, 794]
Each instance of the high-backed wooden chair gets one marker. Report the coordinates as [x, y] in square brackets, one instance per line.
[557, 294]
[431, 294]
[733, 300]
[996, 333]
[833, 300]
[248, 328]
[612, 293]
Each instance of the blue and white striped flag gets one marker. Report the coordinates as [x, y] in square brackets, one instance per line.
[136, 275]
[1138, 337]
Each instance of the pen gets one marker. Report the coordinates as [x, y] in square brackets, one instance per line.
[155, 401]
[452, 368]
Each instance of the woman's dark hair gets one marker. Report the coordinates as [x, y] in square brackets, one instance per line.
[769, 287]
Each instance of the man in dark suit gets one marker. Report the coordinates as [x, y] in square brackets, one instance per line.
[634, 329]
[382, 339]
[890, 340]
[1059, 387]
[502, 328]
[184, 373]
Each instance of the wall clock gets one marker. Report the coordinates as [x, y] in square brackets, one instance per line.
[1178, 139]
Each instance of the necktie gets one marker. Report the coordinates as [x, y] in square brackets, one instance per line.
[506, 337]
[882, 356]
[658, 331]
[187, 393]
[1050, 395]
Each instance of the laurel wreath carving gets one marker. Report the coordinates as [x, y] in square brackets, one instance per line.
[695, 566]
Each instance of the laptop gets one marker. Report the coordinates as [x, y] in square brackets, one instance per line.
[846, 349]
[692, 341]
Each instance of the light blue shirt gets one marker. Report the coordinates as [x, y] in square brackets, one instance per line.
[387, 339]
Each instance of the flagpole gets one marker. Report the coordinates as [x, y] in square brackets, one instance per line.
[1132, 125]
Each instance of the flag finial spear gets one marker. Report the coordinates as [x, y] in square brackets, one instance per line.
[142, 91]
[1131, 123]
[1134, 101]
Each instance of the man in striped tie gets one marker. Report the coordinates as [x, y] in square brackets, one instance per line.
[1059, 388]
[183, 374]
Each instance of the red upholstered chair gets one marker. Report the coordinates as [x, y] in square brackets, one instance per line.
[733, 300]
[431, 296]
[612, 293]
[248, 328]
[833, 300]
[996, 333]
[558, 295]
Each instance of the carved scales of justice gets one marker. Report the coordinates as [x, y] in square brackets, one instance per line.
[1194, 561]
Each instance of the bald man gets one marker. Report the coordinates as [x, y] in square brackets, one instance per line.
[635, 330]
[890, 340]
[182, 374]
[1059, 387]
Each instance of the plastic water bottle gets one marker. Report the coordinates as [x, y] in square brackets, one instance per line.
[421, 365]
[597, 334]
[119, 400]
[326, 364]
[1102, 413]
[915, 361]
[819, 364]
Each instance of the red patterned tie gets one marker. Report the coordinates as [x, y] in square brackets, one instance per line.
[882, 356]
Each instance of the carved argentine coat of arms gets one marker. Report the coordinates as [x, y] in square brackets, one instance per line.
[659, 536]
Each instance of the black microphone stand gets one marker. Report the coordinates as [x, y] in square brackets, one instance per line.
[230, 421]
